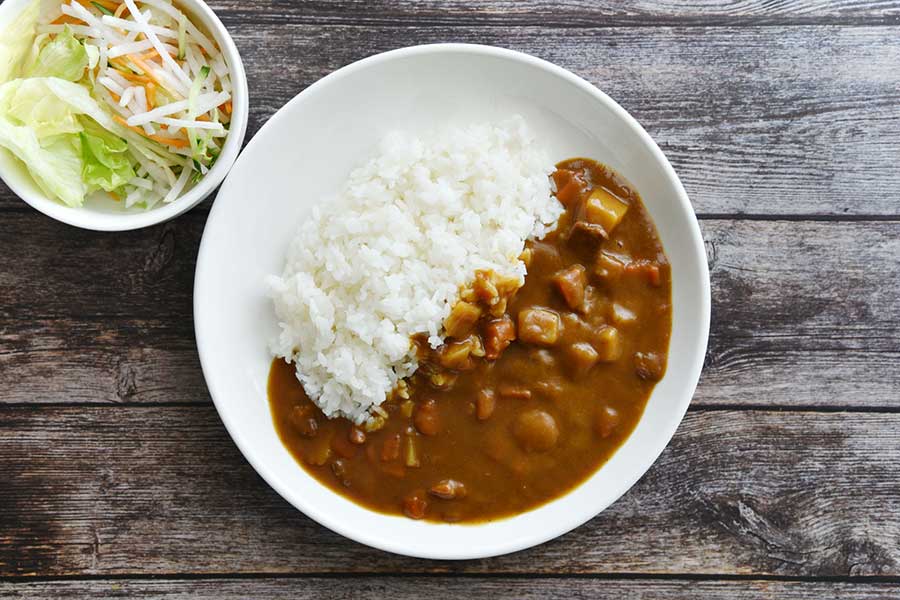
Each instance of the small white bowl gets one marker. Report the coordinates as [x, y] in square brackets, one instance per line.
[104, 214]
[305, 152]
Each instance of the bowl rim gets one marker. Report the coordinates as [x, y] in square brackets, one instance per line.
[91, 220]
[499, 546]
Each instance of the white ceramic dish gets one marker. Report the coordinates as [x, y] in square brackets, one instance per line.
[304, 153]
[104, 214]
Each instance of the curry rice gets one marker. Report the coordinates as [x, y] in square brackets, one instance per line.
[534, 389]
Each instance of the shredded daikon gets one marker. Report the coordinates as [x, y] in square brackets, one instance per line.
[127, 95]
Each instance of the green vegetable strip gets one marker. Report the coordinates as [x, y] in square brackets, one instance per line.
[103, 9]
[182, 35]
[193, 135]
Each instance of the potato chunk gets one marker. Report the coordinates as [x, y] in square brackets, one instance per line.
[608, 344]
[582, 356]
[608, 267]
[604, 209]
[536, 430]
[539, 326]
[620, 315]
[570, 283]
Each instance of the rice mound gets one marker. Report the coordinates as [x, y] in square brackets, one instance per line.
[387, 257]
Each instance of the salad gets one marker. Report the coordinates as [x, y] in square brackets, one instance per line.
[123, 97]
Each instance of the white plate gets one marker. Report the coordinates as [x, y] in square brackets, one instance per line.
[303, 155]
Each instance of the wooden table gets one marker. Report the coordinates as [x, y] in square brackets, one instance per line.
[783, 481]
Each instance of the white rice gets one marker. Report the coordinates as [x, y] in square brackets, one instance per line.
[387, 257]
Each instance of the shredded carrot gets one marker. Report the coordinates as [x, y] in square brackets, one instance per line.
[143, 67]
[140, 79]
[139, 63]
[114, 95]
[203, 118]
[107, 4]
[120, 10]
[67, 20]
[226, 106]
[153, 53]
[122, 65]
[115, 196]
[125, 71]
[151, 95]
[178, 143]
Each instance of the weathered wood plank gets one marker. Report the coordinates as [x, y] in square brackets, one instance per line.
[50, 270]
[758, 120]
[100, 360]
[414, 588]
[802, 314]
[745, 130]
[570, 13]
[159, 490]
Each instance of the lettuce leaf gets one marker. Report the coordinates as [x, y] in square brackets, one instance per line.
[54, 162]
[105, 156]
[42, 121]
[44, 113]
[16, 39]
[50, 105]
[63, 57]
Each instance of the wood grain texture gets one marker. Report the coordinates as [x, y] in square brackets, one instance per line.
[803, 314]
[98, 360]
[415, 588]
[567, 13]
[766, 108]
[158, 490]
[756, 120]
[50, 270]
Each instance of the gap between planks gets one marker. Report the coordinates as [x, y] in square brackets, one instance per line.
[177, 576]
[566, 22]
[598, 23]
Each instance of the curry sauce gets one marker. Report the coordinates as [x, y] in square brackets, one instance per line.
[535, 387]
